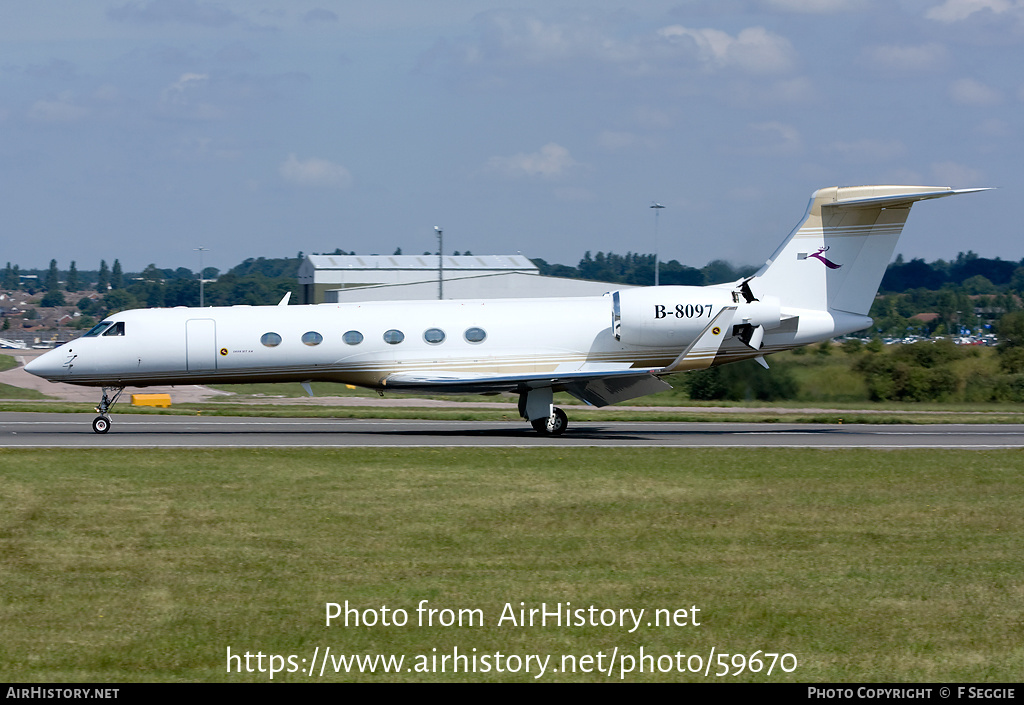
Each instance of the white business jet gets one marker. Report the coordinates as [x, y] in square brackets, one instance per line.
[601, 349]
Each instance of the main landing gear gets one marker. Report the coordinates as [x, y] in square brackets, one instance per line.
[535, 406]
[553, 425]
[101, 424]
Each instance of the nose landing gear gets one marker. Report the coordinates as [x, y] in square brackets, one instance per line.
[101, 424]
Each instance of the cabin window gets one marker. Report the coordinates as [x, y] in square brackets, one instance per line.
[97, 329]
[475, 335]
[271, 340]
[115, 329]
[312, 338]
[393, 337]
[353, 337]
[434, 336]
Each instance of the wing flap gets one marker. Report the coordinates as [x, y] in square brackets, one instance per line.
[448, 383]
[612, 390]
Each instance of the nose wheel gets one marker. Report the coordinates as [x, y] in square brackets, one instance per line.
[101, 424]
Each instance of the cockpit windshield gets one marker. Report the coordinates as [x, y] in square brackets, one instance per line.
[98, 329]
[106, 328]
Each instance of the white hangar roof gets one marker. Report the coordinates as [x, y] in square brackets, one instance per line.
[471, 263]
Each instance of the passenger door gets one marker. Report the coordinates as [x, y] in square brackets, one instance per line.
[201, 344]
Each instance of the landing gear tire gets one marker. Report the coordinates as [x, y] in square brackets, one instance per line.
[553, 425]
[101, 424]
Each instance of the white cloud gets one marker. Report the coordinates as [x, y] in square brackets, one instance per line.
[527, 39]
[315, 172]
[755, 49]
[177, 91]
[184, 99]
[957, 10]
[551, 161]
[61, 110]
[967, 91]
[508, 40]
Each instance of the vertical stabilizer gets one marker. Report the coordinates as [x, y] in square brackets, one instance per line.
[836, 257]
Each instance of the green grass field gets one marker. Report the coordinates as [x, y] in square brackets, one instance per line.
[7, 362]
[864, 565]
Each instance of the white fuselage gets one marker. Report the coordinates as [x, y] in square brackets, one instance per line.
[349, 343]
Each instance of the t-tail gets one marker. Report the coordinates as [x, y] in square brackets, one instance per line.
[833, 262]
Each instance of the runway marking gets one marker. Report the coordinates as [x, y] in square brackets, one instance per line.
[195, 432]
[476, 445]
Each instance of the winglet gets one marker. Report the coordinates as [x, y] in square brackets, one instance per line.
[701, 352]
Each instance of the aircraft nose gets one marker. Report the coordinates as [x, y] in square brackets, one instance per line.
[49, 365]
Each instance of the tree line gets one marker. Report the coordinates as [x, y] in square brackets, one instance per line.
[637, 269]
[965, 293]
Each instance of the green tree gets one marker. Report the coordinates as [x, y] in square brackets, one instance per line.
[53, 298]
[852, 346]
[979, 284]
[87, 306]
[52, 277]
[119, 300]
[1010, 331]
[73, 283]
[103, 278]
[116, 276]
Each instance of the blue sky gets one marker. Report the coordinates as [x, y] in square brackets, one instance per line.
[141, 129]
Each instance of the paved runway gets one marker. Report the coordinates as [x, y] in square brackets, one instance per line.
[44, 430]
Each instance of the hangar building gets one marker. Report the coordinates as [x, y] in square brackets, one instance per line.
[344, 278]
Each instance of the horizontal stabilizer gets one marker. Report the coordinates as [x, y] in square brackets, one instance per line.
[907, 198]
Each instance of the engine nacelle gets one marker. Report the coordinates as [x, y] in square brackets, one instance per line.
[767, 312]
[665, 316]
[673, 316]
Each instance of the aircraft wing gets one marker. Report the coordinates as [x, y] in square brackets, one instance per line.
[598, 388]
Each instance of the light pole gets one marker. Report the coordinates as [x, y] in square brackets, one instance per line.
[440, 262]
[200, 250]
[657, 210]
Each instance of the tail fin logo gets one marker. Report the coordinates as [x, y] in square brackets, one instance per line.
[828, 263]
